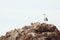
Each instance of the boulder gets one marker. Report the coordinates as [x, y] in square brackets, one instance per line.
[35, 31]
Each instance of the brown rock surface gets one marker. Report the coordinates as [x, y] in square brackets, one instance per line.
[35, 31]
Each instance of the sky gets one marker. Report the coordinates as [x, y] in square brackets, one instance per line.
[17, 13]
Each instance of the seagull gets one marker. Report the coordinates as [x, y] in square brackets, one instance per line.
[45, 18]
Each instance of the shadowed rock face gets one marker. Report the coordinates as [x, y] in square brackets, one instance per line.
[35, 31]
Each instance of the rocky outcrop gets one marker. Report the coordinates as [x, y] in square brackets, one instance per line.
[35, 31]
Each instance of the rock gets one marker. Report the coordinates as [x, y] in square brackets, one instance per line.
[35, 31]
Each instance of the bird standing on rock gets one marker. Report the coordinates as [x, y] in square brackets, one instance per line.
[45, 18]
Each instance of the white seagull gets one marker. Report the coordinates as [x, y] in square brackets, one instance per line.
[45, 18]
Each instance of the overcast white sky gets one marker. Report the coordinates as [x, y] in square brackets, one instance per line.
[17, 13]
